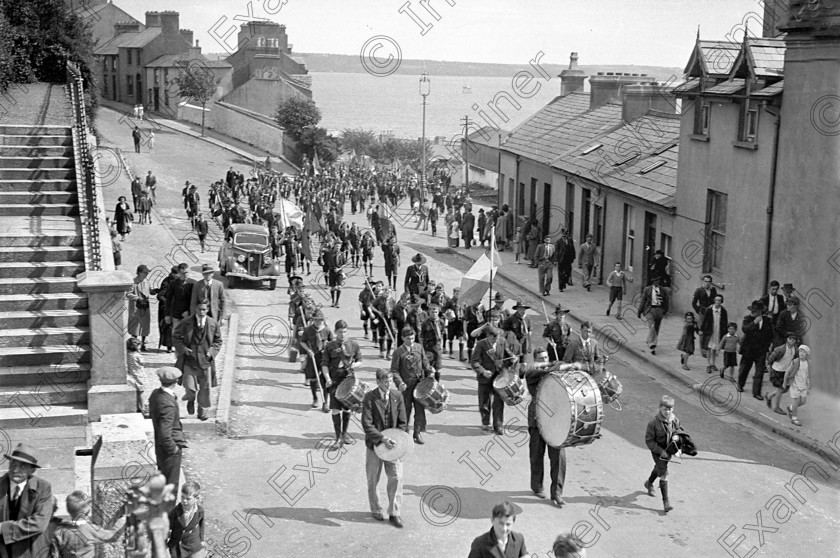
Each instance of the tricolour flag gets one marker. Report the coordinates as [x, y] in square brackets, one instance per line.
[290, 215]
[476, 282]
[316, 164]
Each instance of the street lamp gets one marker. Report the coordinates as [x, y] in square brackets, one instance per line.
[425, 89]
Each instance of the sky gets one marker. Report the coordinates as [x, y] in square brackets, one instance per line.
[645, 32]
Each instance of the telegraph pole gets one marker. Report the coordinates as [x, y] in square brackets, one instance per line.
[466, 122]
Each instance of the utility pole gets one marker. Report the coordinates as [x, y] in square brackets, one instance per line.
[466, 122]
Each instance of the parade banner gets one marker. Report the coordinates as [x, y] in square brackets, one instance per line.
[290, 215]
[476, 282]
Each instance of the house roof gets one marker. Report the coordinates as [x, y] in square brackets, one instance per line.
[771, 90]
[560, 126]
[638, 159]
[687, 86]
[728, 87]
[480, 136]
[760, 58]
[712, 59]
[174, 60]
[128, 40]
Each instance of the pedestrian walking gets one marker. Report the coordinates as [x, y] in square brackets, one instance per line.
[730, 344]
[201, 228]
[501, 540]
[686, 342]
[758, 335]
[199, 340]
[588, 261]
[123, 217]
[166, 421]
[779, 361]
[151, 141]
[546, 259]
[798, 379]
[617, 282]
[137, 137]
[659, 437]
[653, 306]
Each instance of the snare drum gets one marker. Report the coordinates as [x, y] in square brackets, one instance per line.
[510, 388]
[432, 395]
[569, 409]
[351, 392]
[608, 385]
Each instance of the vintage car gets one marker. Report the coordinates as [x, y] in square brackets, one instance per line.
[246, 254]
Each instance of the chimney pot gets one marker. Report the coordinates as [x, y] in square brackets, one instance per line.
[644, 75]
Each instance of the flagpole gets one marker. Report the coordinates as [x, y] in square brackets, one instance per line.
[492, 246]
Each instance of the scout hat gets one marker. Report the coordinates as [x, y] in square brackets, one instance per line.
[499, 298]
[519, 305]
[561, 310]
[419, 259]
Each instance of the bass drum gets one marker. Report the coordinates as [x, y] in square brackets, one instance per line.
[569, 409]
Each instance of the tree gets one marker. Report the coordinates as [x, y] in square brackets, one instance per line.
[38, 37]
[314, 139]
[198, 83]
[363, 142]
[296, 113]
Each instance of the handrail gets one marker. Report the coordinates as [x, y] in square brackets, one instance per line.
[89, 208]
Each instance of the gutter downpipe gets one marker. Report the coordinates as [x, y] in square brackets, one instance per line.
[771, 198]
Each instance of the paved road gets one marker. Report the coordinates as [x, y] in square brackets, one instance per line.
[274, 488]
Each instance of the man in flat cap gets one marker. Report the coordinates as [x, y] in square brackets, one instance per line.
[26, 505]
[166, 420]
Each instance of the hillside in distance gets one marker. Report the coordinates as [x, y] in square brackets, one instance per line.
[345, 63]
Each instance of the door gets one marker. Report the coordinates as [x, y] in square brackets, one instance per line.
[139, 89]
[584, 218]
[156, 96]
[546, 212]
[650, 244]
[533, 198]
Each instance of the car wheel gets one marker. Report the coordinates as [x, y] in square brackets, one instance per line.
[272, 284]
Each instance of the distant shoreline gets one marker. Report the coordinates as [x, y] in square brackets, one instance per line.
[344, 63]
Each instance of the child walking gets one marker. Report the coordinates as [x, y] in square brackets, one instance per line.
[186, 524]
[517, 244]
[78, 537]
[686, 342]
[617, 282]
[779, 362]
[798, 378]
[137, 376]
[730, 344]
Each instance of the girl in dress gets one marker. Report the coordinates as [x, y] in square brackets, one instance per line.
[798, 377]
[686, 343]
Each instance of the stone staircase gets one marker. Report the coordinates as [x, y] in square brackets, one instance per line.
[44, 320]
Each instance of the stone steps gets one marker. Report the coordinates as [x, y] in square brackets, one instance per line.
[37, 131]
[67, 373]
[40, 397]
[44, 318]
[23, 185]
[38, 285]
[40, 225]
[39, 337]
[41, 269]
[41, 253]
[52, 140]
[21, 210]
[49, 301]
[36, 198]
[48, 173]
[65, 150]
[48, 355]
[11, 162]
[41, 240]
[57, 416]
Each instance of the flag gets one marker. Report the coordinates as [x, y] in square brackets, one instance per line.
[316, 164]
[305, 245]
[476, 282]
[290, 215]
[494, 254]
[313, 224]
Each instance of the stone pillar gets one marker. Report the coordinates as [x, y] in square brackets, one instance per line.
[108, 391]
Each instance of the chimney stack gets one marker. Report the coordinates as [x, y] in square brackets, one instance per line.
[152, 19]
[169, 22]
[126, 27]
[187, 35]
[637, 100]
[605, 89]
[195, 52]
[571, 80]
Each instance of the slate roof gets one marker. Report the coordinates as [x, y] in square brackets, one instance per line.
[173, 60]
[768, 56]
[771, 90]
[561, 126]
[714, 58]
[650, 143]
[687, 86]
[728, 87]
[128, 40]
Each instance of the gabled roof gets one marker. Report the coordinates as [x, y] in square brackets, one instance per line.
[480, 136]
[712, 59]
[128, 40]
[638, 159]
[728, 87]
[561, 126]
[760, 58]
[771, 90]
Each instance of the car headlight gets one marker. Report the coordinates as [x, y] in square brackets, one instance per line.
[240, 258]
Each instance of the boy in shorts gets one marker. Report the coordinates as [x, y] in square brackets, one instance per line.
[729, 345]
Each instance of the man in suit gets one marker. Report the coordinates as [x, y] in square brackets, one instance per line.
[468, 228]
[409, 366]
[584, 348]
[383, 408]
[417, 275]
[704, 297]
[209, 289]
[653, 306]
[758, 335]
[588, 261]
[178, 296]
[501, 541]
[199, 339]
[659, 268]
[26, 507]
[166, 420]
[545, 258]
[565, 257]
[773, 302]
[488, 359]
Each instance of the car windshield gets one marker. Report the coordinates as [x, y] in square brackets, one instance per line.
[251, 238]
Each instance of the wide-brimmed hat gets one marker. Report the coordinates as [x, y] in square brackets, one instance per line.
[787, 287]
[168, 374]
[207, 268]
[499, 298]
[519, 304]
[419, 259]
[317, 315]
[24, 454]
[756, 305]
[561, 310]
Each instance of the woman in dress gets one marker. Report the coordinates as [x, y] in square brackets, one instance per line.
[122, 217]
[164, 329]
[139, 313]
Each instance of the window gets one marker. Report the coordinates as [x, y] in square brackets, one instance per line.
[702, 116]
[628, 250]
[157, 75]
[748, 123]
[715, 232]
[128, 53]
[104, 63]
[260, 41]
[521, 198]
[273, 43]
[665, 244]
[129, 83]
[570, 207]
[113, 63]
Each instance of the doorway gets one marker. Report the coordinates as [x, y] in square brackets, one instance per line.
[650, 244]
[584, 218]
[546, 212]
